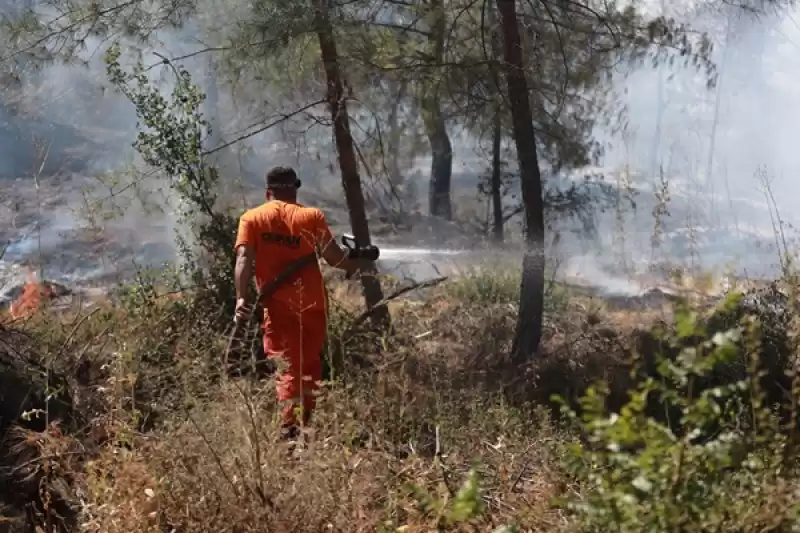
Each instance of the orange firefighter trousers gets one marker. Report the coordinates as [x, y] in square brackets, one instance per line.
[295, 342]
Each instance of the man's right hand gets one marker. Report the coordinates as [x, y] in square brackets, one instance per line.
[351, 271]
[356, 255]
[242, 310]
[370, 253]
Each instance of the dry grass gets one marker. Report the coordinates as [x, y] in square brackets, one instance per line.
[165, 444]
[222, 470]
[160, 440]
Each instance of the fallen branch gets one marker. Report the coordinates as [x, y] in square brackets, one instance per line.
[396, 294]
[74, 330]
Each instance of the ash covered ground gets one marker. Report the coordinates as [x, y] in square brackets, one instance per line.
[52, 230]
[65, 233]
[61, 232]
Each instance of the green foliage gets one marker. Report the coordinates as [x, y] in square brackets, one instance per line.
[724, 469]
[170, 139]
[465, 504]
[171, 131]
[500, 286]
[486, 286]
[142, 296]
[453, 511]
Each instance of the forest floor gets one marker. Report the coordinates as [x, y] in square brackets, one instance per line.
[430, 428]
[165, 446]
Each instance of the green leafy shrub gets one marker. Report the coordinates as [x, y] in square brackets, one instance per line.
[768, 344]
[724, 468]
[171, 140]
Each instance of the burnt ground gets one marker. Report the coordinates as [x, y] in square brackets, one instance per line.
[65, 238]
[53, 229]
[79, 250]
[445, 341]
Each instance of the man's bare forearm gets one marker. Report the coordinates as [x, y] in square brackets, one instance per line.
[243, 273]
[349, 265]
[338, 258]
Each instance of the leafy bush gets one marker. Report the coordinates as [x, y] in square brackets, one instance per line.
[769, 344]
[723, 469]
[171, 141]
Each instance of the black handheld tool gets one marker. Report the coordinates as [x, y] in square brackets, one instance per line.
[354, 251]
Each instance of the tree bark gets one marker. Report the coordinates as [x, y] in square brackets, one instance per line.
[712, 137]
[435, 126]
[497, 135]
[441, 162]
[395, 131]
[348, 165]
[211, 110]
[497, 179]
[529, 323]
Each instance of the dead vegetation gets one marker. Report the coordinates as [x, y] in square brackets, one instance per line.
[152, 437]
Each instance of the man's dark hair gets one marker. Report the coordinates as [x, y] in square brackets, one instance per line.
[281, 178]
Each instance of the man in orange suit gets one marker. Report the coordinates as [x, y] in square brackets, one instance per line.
[272, 237]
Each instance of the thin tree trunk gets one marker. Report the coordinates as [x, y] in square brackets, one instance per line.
[655, 155]
[529, 323]
[433, 118]
[715, 122]
[394, 131]
[348, 165]
[497, 134]
[497, 198]
[441, 162]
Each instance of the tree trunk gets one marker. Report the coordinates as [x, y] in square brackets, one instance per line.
[529, 323]
[348, 165]
[497, 135]
[497, 198]
[441, 162]
[395, 131]
[655, 154]
[712, 137]
[435, 126]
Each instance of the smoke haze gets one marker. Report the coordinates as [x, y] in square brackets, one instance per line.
[714, 148]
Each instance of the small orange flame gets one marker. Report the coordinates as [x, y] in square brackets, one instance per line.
[33, 293]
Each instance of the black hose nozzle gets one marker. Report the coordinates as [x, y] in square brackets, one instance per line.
[354, 251]
[370, 253]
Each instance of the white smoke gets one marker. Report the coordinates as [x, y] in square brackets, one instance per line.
[719, 214]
